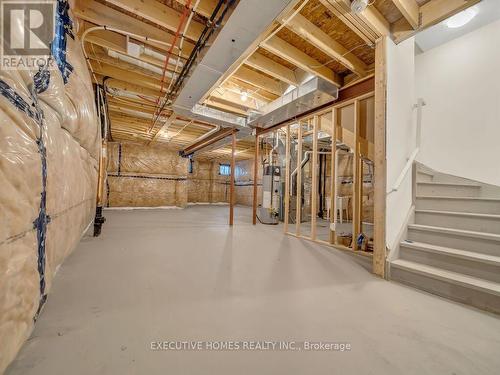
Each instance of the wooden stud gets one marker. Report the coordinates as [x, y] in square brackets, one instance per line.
[231, 186]
[333, 182]
[255, 177]
[314, 175]
[380, 172]
[287, 179]
[357, 177]
[298, 209]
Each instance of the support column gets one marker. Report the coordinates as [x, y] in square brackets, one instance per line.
[231, 186]
[380, 173]
[287, 180]
[255, 177]
[357, 179]
[314, 175]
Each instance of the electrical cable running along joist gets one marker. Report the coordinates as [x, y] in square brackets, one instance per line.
[207, 32]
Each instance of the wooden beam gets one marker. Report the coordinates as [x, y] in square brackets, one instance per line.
[380, 168]
[272, 68]
[100, 14]
[160, 14]
[431, 13]
[255, 177]
[259, 80]
[231, 186]
[409, 10]
[314, 35]
[295, 56]
[227, 107]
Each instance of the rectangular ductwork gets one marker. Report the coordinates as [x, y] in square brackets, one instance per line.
[312, 94]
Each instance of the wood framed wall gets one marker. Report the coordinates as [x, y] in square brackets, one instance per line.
[360, 148]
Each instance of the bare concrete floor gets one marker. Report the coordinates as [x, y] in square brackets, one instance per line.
[163, 275]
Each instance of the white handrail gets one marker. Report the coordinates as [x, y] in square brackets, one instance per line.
[418, 106]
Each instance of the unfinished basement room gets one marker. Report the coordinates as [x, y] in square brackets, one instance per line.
[210, 187]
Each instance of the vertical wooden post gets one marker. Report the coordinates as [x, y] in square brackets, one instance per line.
[298, 211]
[357, 179]
[380, 173]
[255, 177]
[231, 186]
[333, 182]
[314, 175]
[287, 180]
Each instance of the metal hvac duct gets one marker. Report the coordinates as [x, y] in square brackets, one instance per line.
[306, 97]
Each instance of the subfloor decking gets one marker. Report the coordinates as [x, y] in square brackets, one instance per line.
[165, 275]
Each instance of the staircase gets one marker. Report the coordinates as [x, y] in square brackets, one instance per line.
[453, 247]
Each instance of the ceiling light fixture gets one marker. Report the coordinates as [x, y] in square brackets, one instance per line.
[244, 96]
[462, 18]
[357, 6]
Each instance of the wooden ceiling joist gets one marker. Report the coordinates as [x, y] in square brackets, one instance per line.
[431, 13]
[227, 107]
[314, 35]
[299, 58]
[100, 14]
[410, 10]
[163, 128]
[130, 87]
[132, 77]
[259, 80]
[160, 14]
[272, 68]
[204, 8]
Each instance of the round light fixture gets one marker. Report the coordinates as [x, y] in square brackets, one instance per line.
[244, 96]
[357, 6]
[462, 18]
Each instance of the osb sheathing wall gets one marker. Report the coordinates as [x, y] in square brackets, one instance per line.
[32, 245]
[145, 176]
[206, 185]
[244, 183]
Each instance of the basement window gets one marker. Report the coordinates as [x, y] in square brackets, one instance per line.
[225, 169]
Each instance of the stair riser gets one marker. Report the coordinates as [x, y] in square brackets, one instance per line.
[446, 289]
[460, 265]
[448, 190]
[439, 177]
[422, 177]
[477, 245]
[459, 205]
[472, 223]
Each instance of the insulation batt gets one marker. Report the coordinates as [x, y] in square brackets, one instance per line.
[72, 139]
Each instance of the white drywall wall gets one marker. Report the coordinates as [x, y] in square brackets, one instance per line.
[401, 133]
[460, 83]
